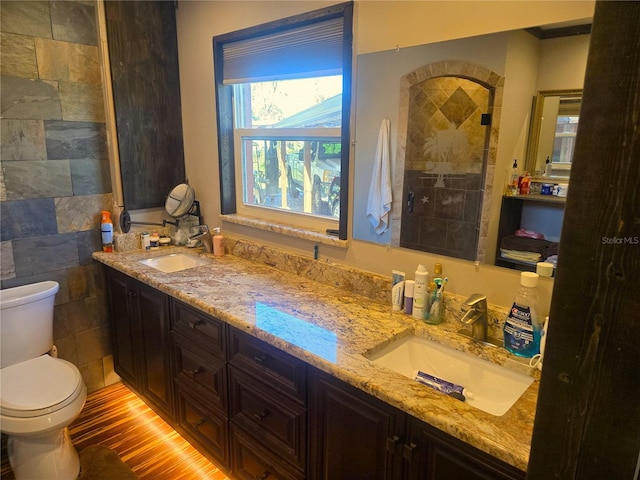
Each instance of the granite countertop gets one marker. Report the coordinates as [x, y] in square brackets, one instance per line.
[332, 329]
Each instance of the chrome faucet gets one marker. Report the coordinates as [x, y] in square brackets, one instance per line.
[476, 316]
[204, 235]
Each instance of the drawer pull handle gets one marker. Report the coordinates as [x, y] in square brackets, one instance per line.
[408, 451]
[195, 324]
[392, 444]
[193, 373]
[261, 416]
[264, 475]
[261, 359]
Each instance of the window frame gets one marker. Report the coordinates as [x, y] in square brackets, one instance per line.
[224, 103]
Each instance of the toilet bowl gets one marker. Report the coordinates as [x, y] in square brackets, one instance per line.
[39, 395]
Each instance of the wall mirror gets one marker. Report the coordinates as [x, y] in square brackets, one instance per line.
[554, 123]
[506, 70]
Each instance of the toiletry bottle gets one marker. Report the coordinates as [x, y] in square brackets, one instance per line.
[547, 167]
[521, 328]
[218, 243]
[512, 180]
[106, 229]
[146, 244]
[420, 293]
[408, 296]
[154, 240]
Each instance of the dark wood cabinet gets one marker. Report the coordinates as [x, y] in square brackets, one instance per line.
[260, 413]
[201, 379]
[140, 332]
[434, 455]
[268, 409]
[353, 435]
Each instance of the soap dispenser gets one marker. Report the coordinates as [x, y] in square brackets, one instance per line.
[218, 243]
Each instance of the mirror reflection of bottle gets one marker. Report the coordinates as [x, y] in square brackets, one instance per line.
[547, 167]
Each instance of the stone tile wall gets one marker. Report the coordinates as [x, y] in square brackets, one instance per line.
[55, 173]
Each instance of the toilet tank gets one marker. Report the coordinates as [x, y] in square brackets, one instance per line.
[26, 321]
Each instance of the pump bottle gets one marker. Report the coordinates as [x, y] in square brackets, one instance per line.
[218, 243]
[521, 327]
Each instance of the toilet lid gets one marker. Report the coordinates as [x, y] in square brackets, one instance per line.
[38, 386]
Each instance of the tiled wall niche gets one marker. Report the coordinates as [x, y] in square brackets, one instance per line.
[55, 172]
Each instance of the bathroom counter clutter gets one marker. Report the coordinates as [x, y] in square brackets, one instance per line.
[334, 330]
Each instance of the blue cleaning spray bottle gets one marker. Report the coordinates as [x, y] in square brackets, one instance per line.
[521, 327]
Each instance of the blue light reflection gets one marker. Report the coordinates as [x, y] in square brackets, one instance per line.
[305, 335]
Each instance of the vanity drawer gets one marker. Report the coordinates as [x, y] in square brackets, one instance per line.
[200, 372]
[200, 328]
[277, 420]
[269, 364]
[208, 430]
[249, 461]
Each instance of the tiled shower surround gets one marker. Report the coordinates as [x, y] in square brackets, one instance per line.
[55, 171]
[439, 103]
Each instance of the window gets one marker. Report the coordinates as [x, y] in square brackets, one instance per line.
[283, 100]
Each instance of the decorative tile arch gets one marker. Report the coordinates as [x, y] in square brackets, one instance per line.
[450, 68]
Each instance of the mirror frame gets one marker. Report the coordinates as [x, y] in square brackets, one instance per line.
[536, 122]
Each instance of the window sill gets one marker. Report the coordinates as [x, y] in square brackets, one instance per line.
[288, 230]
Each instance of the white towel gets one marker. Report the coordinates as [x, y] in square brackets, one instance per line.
[379, 203]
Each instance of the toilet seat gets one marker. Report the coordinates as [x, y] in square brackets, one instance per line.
[38, 386]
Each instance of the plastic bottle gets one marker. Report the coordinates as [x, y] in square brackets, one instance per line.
[420, 293]
[512, 180]
[521, 327]
[154, 240]
[106, 229]
[409, 286]
[218, 243]
[547, 167]
[146, 243]
[435, 310]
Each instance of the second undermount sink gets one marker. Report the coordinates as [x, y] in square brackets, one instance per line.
[495, 389]
[174, 262]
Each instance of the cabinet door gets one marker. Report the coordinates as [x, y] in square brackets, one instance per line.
[352, 436]
[438, 456]
[153, 311]
[124, 327]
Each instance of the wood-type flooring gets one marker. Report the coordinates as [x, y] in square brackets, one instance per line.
[115, 417]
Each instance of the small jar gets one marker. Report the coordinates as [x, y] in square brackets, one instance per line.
[154, 240]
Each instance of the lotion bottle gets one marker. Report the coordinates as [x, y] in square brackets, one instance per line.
[218, 243]
[420, 293]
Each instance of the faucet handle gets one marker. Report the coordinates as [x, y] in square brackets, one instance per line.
[202, 229]
[476, 300]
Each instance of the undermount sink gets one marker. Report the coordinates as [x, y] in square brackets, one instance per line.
[495, 389]
[174, 262]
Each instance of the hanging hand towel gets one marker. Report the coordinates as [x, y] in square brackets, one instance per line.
[379, 203]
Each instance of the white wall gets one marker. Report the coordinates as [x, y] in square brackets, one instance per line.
[379, 25]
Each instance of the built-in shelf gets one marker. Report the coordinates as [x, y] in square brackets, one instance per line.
[536, 197]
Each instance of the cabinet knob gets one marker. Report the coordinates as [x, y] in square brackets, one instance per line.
[261, 359]
[408, 451]
[264, 475]
[131, 293]
[199, 423]
[393, 444]
[195, 324]
[194, 372]
[261, 416]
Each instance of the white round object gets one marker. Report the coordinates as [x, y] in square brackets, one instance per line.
[37, 386]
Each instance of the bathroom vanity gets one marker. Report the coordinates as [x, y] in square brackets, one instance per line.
[266, 374]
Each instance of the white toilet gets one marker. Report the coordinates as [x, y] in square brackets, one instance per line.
[39, 395]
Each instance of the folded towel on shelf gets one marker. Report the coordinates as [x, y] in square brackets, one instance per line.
[379, 201]
[527, 257]
[525, 244]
